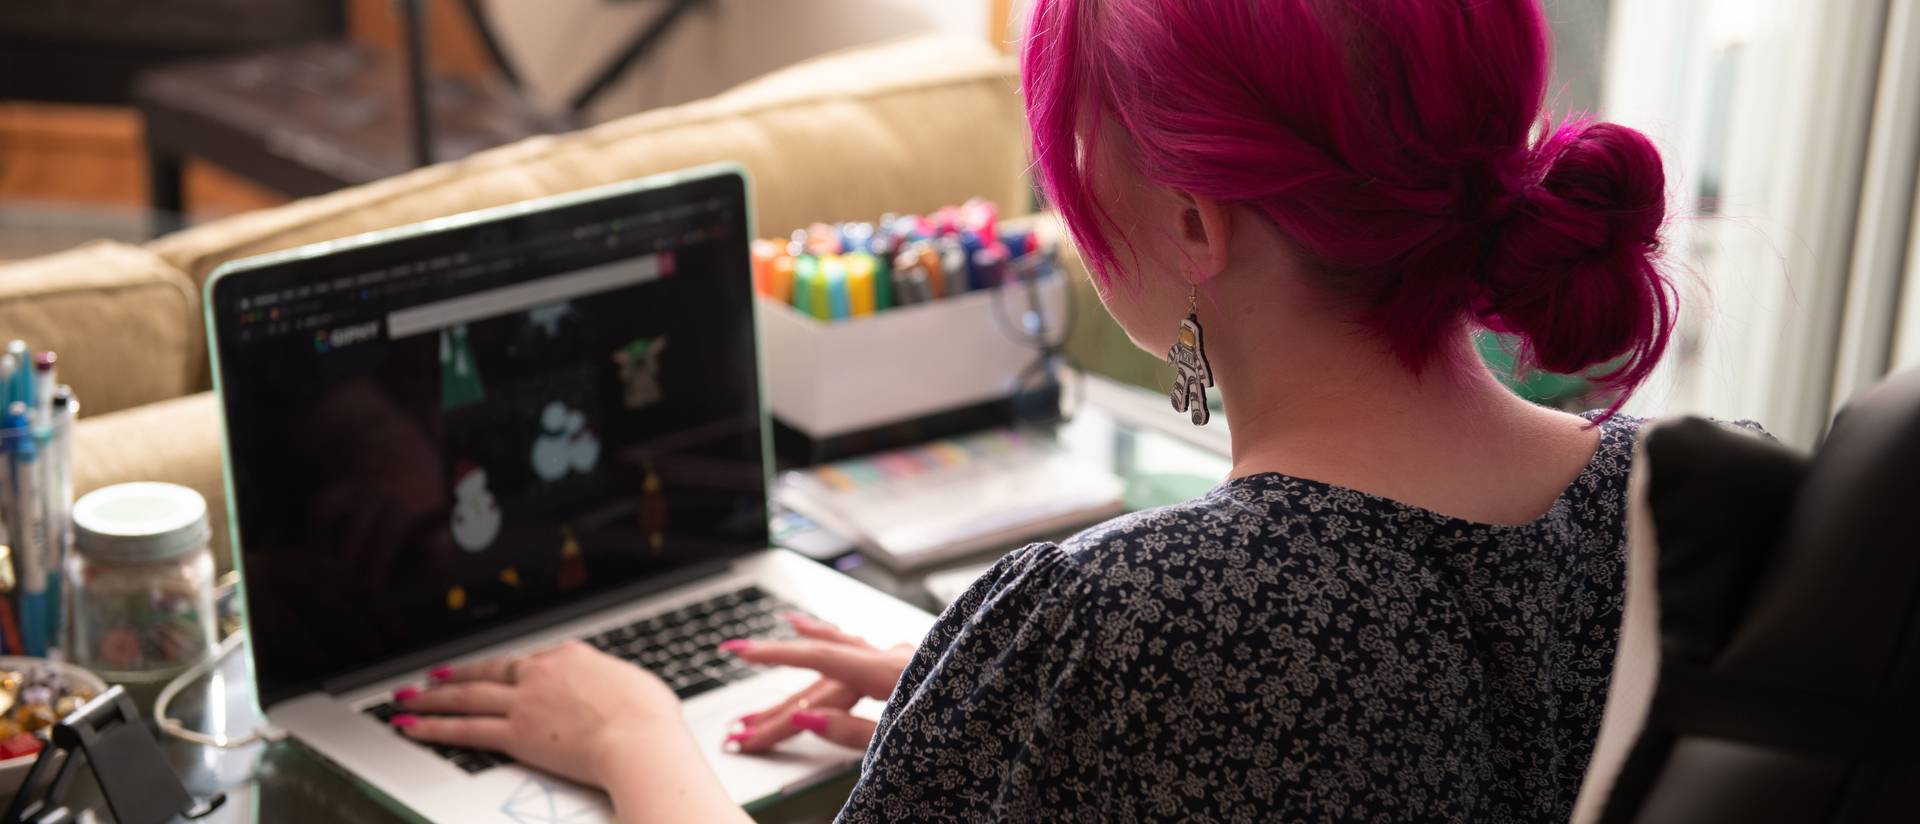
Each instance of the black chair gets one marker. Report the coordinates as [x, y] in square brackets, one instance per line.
[1788, 686]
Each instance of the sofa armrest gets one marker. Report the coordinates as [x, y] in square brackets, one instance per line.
[125, 323]
[177, 441]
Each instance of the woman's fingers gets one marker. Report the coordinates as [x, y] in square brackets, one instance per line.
[498, 670]
[838, 726]
[865, 669]
[811, 693]
[768, 729]
[478, 733]
[464, 698]
[819, 630]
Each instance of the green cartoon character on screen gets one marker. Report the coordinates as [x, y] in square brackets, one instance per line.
[459, 376]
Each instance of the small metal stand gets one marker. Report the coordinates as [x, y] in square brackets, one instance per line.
[108, 735]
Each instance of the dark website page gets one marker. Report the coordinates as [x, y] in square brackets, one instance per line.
[445, 433]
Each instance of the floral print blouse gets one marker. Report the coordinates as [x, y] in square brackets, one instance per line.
[1278, 650]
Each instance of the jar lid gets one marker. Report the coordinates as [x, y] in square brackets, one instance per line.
[139, 522]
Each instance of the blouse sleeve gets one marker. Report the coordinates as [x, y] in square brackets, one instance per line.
[1006, 712]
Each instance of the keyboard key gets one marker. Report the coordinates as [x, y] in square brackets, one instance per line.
[696, 687]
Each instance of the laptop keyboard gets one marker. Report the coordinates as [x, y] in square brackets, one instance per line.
[681, 646]
[467, 759]
[678, 645]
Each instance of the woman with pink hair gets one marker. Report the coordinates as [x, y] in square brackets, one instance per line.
[1403, 603]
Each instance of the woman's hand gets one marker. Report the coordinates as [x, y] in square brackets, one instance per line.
[850, 669]
[571, 710]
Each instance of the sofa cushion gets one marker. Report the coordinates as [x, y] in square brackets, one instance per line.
[124, 322]
[177, 441]
[904, 126]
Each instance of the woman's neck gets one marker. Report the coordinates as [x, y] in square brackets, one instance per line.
[1313, 395]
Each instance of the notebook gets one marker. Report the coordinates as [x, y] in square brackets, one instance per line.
[913, 507]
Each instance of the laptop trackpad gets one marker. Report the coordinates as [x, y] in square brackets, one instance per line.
[798, 762]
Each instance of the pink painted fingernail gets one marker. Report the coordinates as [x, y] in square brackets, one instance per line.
[406, 693]
[735, 645]
[748, 719]
[441, 673]
[811, 721]
[404, 720]
[740, 736]
[799, 618]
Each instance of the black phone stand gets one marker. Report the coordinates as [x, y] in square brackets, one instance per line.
[108, 735]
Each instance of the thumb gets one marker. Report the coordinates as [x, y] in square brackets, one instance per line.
[838, 726]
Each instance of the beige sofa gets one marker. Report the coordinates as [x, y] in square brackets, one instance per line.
[905, 126]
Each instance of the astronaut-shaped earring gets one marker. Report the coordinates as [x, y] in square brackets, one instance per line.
[1189, 356]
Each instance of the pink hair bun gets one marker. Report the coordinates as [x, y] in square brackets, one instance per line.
[1392, 141]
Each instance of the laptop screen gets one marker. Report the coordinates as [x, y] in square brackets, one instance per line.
[442, 432]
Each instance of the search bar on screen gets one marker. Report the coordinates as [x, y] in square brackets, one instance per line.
[432, 317]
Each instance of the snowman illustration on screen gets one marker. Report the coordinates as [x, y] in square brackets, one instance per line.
[476, 517]
[566, 444]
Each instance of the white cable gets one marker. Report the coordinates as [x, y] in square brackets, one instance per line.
[170, 726]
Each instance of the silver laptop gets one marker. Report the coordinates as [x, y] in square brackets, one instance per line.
[486, 434]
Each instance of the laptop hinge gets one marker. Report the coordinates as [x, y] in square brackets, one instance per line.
[504, 633]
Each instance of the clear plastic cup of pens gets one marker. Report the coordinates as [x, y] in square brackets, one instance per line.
[36, 505]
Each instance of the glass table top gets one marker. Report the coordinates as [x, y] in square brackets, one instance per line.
[1130, 431]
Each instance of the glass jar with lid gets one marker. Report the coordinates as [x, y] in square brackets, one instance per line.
[140, 582]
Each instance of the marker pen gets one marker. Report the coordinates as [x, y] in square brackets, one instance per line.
[833, 270]
[780, 278]
[806, 273]
[860, 283]
[819, 296]
[955, 265]
[907, 270]
[882, 282]
[991, 265]
[936, 278]
[763, 252]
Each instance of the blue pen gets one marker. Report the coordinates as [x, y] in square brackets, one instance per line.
[20, 381]
[9, 364]
[29, 531]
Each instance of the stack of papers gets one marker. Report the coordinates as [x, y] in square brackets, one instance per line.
[913, 507]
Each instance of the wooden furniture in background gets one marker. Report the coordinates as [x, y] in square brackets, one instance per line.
[92, 155]
[1000, 24]
[307, 121]
[89, 51]
[454, 49]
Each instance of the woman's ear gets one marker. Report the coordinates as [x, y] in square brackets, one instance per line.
[1206, 231]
